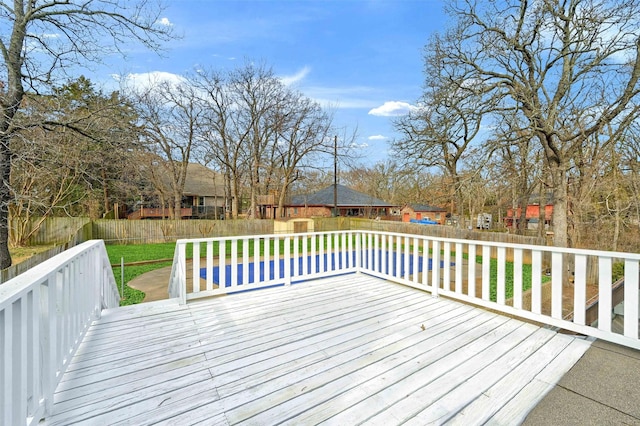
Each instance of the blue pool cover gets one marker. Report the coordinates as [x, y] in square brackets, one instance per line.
[335, 262]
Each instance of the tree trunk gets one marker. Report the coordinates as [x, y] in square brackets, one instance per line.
[459, 200]
[177, 206]
[560, 210]
[5, 200]
[616, 229]
[234, 198]
[105, 194]
[521, 224]
[282, 196]
[542, 219]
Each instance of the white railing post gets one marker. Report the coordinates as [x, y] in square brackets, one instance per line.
[222, 264]
[234, 264]
[287, 260]
[195, 266]
[257, 261]
[245, 261]
[579, 289]
[182, 273]
[446, 267]
[517, 278]
[305, 255]
[48, 324]
[359, 255]
[536, 281]
[631, 298]
[557, 277]
[98, 284]
[209, 271]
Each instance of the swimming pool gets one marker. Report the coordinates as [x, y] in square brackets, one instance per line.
[330, 262]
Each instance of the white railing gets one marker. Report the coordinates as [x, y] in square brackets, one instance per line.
[44, 314]
[252, 262]
[521, 280]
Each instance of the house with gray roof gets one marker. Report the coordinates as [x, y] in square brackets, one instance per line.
[347, 202]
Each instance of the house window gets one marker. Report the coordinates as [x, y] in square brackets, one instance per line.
[295, 211]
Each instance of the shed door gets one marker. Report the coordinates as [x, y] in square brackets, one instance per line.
[299, 227]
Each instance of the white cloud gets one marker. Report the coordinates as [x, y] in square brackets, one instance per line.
[165, 22]
[357, 97]
[393, 109]
[359, 145]
[288, 80]
[377, 138]
[144, 81]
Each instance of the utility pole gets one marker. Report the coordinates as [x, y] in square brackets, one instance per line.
[335, 176]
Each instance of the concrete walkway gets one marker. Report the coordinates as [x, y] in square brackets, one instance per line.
[602, 388]
[154, 284]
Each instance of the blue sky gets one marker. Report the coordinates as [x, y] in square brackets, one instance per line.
[363, 58]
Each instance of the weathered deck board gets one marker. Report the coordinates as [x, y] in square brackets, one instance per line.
[344, 350]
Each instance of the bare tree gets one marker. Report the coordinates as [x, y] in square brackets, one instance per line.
[259, 131]
[170, 118]
[440, 132]
[302, 132]
[85, 30]
[223, 133]
[519, 161]
[259, 96]
[569, 68]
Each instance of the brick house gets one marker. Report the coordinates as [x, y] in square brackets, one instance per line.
[423, 211]
[532, 215]
[349, 203]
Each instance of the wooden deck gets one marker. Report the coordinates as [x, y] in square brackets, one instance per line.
[343, 350]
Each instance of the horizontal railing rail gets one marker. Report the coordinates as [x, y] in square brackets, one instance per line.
[44, 314]
[549, 285]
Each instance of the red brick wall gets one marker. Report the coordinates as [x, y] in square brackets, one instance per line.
[308, 212]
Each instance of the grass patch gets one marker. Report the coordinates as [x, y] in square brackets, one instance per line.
[132, 296]
[508, 274]
[140, 252]
[19, 254]
[137, 253]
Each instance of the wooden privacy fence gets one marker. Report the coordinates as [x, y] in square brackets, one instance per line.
[56, 230]
[62, 242]
[159, 231]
